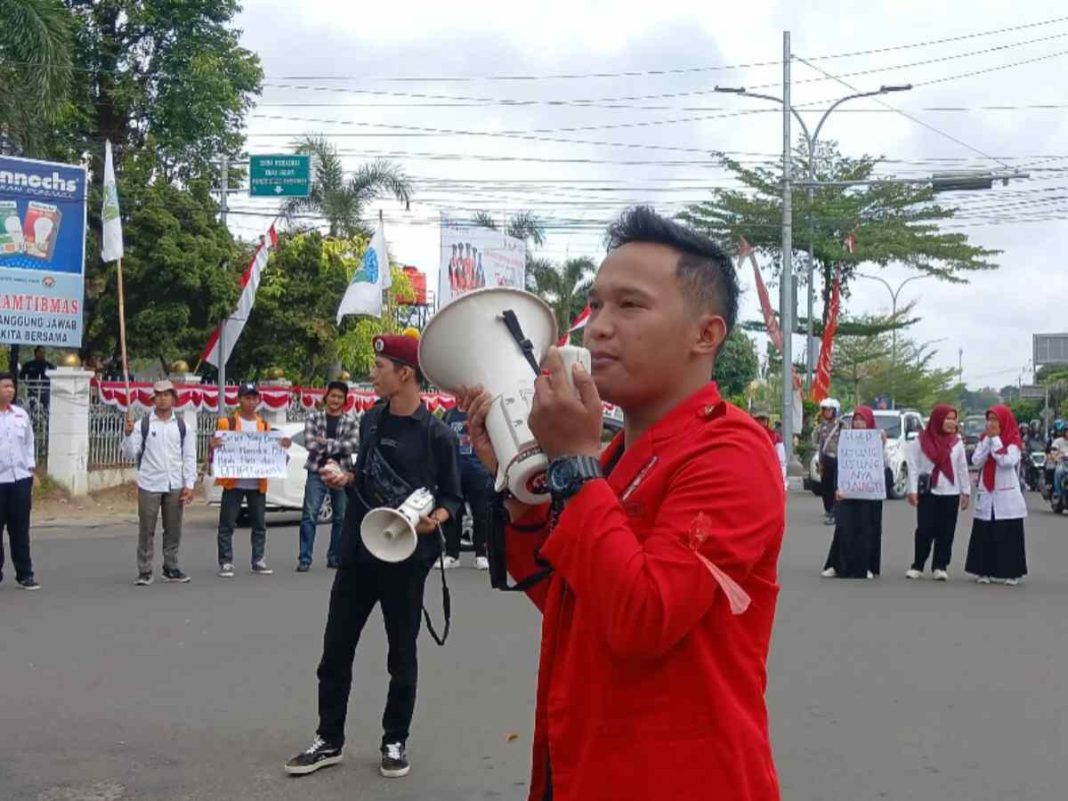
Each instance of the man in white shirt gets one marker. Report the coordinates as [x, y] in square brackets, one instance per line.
[17, 463]
[166, 457]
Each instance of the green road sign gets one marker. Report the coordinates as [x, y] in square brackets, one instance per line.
[284, 175]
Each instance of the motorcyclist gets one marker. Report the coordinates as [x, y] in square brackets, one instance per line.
[1059, 449]
[825, 438]
[1034, 442]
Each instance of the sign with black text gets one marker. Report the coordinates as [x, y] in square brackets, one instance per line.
[861, 467]
[249, 454]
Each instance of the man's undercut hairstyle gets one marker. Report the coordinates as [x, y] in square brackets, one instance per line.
[705, 272]
[340, 386]
[418, 373]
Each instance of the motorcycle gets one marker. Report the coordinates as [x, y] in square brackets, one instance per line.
[1036, 472]
[1058, 501]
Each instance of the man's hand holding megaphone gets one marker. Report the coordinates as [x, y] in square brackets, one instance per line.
[565, 421]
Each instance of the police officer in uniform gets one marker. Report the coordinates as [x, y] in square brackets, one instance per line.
[403, 447]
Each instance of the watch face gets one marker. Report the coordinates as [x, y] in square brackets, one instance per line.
[560, 475]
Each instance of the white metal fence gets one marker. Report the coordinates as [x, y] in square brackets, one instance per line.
[33, 396]
[107, 428]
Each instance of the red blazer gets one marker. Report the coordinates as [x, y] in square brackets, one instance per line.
[649, 686]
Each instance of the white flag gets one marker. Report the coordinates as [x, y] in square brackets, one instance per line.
[364, 295]
[111, 235]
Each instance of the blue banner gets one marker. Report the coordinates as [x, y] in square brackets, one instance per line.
[42, 252]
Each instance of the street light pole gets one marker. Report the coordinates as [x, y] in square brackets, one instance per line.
[786, 307]
[811, 140]
[894, 294]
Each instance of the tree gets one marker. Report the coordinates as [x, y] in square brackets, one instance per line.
[855, 364]
[736, 365]
[892, 222]
[166, 79]
[167, 82]
[1009, 392]
[523, 225]
[563, 287]
[293, 324]
[36, 39]
[867, 366]
[177, 289]
[339, 200]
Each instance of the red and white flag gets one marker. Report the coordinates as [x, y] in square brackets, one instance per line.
[745, 251]
[821, 386]
[577, 325]
[250, 282]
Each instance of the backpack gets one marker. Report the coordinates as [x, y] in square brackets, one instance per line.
[146, 421]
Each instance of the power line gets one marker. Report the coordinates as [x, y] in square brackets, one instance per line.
[904, 114]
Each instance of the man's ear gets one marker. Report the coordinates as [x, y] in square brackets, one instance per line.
[711, 334]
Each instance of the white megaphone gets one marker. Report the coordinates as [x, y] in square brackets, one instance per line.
[389, 534]
[496, 338]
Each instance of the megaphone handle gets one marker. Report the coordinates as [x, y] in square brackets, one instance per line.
[511, 322]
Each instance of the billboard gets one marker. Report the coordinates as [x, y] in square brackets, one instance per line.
[42, 252]
[1050, 349]
[474, 257]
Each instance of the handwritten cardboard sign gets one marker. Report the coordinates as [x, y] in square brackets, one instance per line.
[861, 469]
[249, 454]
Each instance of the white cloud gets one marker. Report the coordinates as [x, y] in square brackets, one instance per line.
[991, 318]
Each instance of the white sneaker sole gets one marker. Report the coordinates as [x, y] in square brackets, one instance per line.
[304, 770]
[398, 773]
[29, 589]
[168, 580]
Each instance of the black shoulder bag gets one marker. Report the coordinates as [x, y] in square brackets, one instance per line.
[386, 487]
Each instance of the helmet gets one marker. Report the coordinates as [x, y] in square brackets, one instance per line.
[831, 403]
[1058, 426]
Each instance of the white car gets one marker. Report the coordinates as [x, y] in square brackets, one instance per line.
[902, 426]
[284, 493]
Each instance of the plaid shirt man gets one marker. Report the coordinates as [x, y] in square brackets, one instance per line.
[321, 448]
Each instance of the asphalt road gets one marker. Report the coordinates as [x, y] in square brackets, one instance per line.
[884, 689]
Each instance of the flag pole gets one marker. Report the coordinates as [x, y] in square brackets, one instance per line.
[122, 344]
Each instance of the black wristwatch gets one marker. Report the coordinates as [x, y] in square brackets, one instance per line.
[568, 474]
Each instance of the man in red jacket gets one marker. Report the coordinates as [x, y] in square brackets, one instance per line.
[659, 605]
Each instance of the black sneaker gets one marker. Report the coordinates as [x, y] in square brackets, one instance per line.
[332, 564]
[260, 568]
[394, 761]
[29, 583]
[318, 755]
[175, 575]
[143, 580]
[303, 567]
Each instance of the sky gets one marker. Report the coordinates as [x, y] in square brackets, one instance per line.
[576, 110]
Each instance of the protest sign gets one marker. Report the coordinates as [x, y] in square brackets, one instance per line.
[249, 454]
[861, 475]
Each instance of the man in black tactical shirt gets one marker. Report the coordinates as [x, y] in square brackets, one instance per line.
[402, 448]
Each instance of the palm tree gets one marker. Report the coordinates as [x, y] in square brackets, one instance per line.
[340, 200]
[523, 225]
[36, 42]
[562, 287]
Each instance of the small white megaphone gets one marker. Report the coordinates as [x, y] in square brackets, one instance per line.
[496, 338]
[389, 534]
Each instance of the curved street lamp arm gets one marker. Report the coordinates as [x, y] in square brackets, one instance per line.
[835, 105]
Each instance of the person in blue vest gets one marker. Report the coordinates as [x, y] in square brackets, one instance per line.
[477, 486]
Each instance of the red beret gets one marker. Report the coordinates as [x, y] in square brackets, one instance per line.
[398, 347]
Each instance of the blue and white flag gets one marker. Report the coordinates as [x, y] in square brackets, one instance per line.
[364, 295]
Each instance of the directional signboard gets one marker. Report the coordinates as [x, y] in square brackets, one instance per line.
[1032, 392]
[1050, 349]
[285, 175]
